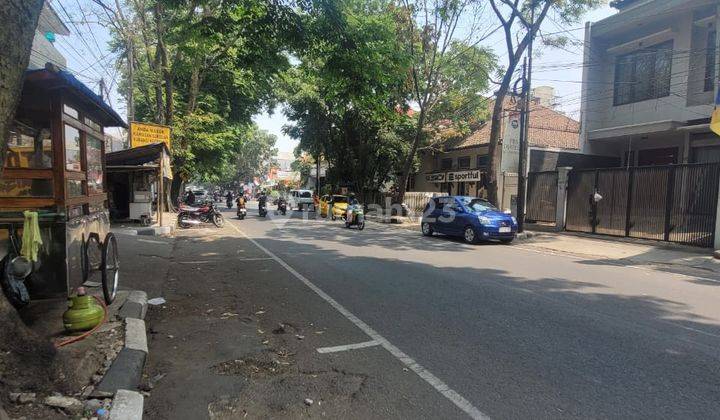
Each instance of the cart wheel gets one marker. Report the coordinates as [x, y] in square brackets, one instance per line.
[145, 220]
[110, 268]
[89, 255]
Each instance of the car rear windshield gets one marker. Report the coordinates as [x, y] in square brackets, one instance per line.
[340, 199]
[477, 204]
[305, 194]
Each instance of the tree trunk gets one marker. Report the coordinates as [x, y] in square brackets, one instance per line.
[175, 188]
[18, 20]
[407, 166]
[18, 344]
[494, 152]
[164, 66]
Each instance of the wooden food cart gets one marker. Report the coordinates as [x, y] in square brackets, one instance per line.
[55, 166]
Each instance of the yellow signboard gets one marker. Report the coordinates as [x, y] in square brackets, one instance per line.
[142, 134]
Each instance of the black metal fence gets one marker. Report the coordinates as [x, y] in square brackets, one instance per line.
[541, 196]
[674, 203]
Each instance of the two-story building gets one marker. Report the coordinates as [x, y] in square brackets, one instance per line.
[649, 82]
[459, 165]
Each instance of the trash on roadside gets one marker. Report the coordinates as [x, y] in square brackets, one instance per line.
[226, 315]
[156, 301]
[259, 312]
[300, 337]
[308, 402]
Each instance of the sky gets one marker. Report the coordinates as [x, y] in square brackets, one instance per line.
[89, 57]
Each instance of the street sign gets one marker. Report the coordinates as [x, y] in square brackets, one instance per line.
[142, 134]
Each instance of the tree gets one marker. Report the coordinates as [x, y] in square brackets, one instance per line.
[344, 96]
[252, 158]
[202, 64]
[521, 21]
[441, 85]
[18, 344]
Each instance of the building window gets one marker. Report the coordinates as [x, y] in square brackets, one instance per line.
[446, 163]
[643, 74]
[464, 162]
[710, 61]
[482, 161]
[662, 156]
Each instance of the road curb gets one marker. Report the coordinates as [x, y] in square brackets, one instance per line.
[124, 376]
[155, 231]
[127, 405]
[135, 306]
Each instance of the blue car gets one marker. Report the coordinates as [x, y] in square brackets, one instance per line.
[472, 218]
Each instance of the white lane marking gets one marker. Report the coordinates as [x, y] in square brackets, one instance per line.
[213, 261]
[346, 347]
[408, 361]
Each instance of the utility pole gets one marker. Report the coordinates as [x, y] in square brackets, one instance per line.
[101, 87]
[525, 127]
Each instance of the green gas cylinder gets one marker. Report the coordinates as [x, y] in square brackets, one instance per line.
[83, 313]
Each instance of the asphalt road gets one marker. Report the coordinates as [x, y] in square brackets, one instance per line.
[511, 332]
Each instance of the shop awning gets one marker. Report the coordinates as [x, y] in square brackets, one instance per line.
[141, 158]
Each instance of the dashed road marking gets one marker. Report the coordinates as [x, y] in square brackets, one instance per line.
[347, 347]
[440, 386]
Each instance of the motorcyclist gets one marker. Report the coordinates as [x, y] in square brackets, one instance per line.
[240, 201]
[262, 200]
[352, 201]
[229, 198]
[281, 202]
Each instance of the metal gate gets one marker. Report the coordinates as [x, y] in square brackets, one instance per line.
[674, 203]
[541, 196]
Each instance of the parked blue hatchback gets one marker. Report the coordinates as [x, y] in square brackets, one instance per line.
[472, 218]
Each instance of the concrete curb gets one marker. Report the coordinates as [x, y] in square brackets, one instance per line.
[135, 336]
[135, 306]
[155, 231]
[127, 405]
[124, 376]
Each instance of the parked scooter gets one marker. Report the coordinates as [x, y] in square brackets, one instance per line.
[195, 216]
[355, 216]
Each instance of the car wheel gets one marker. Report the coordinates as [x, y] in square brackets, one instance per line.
[470, 235]
[427, 229]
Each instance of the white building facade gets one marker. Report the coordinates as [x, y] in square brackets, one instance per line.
[649, 82]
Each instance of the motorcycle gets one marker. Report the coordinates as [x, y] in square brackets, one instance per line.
[194, 216]
[355, 216]
[282, 206]
[262, 209]
[241, 212]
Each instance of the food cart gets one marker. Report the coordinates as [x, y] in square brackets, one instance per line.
[55, 166]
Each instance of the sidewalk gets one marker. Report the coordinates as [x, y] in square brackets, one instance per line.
[624, 251]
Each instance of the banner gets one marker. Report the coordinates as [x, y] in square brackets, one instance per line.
[464, 176]
[142, 134]
[438, 177]
[456, 176]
